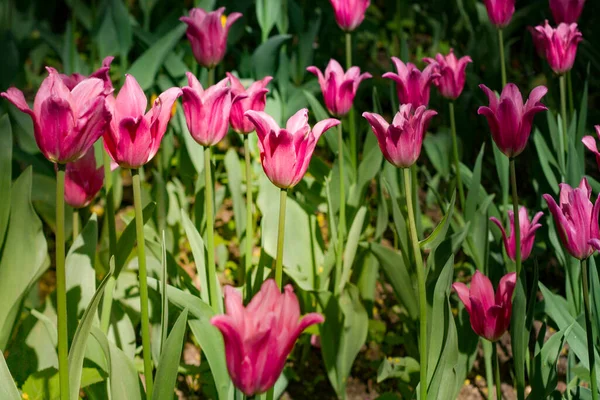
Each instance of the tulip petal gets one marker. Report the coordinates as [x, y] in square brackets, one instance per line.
[131, 100]
[463, 294]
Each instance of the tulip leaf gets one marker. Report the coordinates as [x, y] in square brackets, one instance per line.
[128, 238]
[197, 245]
[406, 369]
[518, 333]
[234, 183]
[473, 196]
[44, 384]
[439, 233]
[166, 374]
[545, 376]
[400, 224]
[8, 390]
[267, 13]
[6, 145]
[547, 160]
[266, 55]
[352, 246]
[120, 16]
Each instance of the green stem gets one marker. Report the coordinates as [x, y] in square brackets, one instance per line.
[421, 282]
[211, 77]
[75, 223]
[489, 373]
[461, 191]
[588, 328]
[563, 112]
[351, 115]
[570, 91]
[210, 232]
[497, 373]
[143, 278]
[342, 215]
[280, 237]
[515, 201]
[348, 50]
[249, 220]
[502, 60]
[61, 285]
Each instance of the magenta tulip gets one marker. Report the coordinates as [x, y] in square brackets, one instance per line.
[401, 141]
[258, 338]
[412, 85]
[253, 98]
[101, 73]
[207, 33]
[285, 153]
[134, 137]
[206, 111]
[452, 77]
[576, 219]
[558, 45]
[83, 180]
[590, 143]
[66, 122]
[567, 11]
[509, 119]
[349, 14]
[500, 11]
[489, 313]
[528, 229]
[339, 87]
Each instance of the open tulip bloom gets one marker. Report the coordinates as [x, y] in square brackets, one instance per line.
[528, 229]
[412, 85]
[252, 98]
[500, 12]
[452, 76]
[567, 11]
[83, 180]
[349, 14]
[557, 45]
[590, 143]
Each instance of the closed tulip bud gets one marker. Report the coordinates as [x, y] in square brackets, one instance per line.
[339, 87]
[567, 11]
[509, 119]
[401, 141]
[528, 229]
[500, 12]
[489, 313]
[83, 180]
[576, 219]
[66, 122]
[285, 153]
[259, 338]
[135, 135]
[452, 76]
[207, 33]
[412, 85]
[253, 98]
[557, 45]
[349, 14]
[590, 143]
[101, 73]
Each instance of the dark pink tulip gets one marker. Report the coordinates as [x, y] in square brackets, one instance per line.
[285, 153]
[500, 11]
[401, 141]
[509, 119]
[528, 229]
[134, 136]
[349, 14]
[339, 87]
[258, 338]
[207, 33]
[576, 219]
[452, 77]
[253, 98]
[206, 111]
[558, 45]
[66, 122]
[489, 314]
[83, 180]
[590, 143]
[101, 73]
[567, 11]
[412, 85]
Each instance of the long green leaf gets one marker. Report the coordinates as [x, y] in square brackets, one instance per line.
[197, 245]
[166, 374]
[352, 246]
[127, 239]
[439, 233]
[234, 177]
[8, 390]
[6, 145]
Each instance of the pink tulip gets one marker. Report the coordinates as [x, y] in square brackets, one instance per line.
[500, 11]
[590, 143]
[567, 11]
[339, 87]
[285, 153]
[509, 119]
[412, 85]
[401, 141]
[207, 33]
[83, 180]
[134, 137]
[489, 314]
[207, 111]
[66, 122]
[576, 219]
[258, 338]
[349, 14]
[558, 45]
[101, 73]
[452, 77]
[527, 232]
[253, 98]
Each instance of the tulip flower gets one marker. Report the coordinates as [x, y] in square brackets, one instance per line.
[489, 313]
[66, 122]
[253, 98]
[101, 73]
[558, 45]
[207, 33]
[207, 111]
[83, 180]
[500, 11]
[509, 119]
[349, 14]
[412, 85]
[285, 153]
[590, 143]
[339, 87]
[134, 138]
[567, 11]
[528, 229]
[401, 141]
[258, 338]
[451, 70]
[576, 219]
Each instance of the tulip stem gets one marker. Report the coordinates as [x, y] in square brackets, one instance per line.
[497, 373]
[589, 331]
[515, 201]
[570, 91]
[61, 285]
[342, 221]
[563, 108]
[211, 77]
[249, 220]
[421, 282]
[280, 237]
[75, 223]
[461, 192]
[348, 50]
[502, 60]
[210, 231]
[351, 114]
